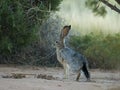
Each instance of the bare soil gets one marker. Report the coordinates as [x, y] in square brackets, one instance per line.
[39, 78]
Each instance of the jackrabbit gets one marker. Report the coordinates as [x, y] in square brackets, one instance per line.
[70, 59]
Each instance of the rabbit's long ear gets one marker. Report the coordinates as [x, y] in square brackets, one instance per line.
[64, 32]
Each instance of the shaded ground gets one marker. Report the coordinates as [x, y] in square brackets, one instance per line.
[36, 78]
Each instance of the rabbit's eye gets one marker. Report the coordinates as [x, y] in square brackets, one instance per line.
[56, 41]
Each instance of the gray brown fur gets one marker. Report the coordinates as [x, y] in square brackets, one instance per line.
[70, 59]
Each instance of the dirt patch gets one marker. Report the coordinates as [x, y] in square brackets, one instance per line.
[22, 78]
[116, 88]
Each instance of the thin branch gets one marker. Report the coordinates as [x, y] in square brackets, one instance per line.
[110, 6]
[118, 1]
[37, 9]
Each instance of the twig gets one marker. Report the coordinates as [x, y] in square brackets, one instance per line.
[37, 9]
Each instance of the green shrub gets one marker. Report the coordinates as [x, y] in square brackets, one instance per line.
[20, 21]
[101, 50]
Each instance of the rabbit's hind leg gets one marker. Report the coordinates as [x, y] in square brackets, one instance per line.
[78, 76]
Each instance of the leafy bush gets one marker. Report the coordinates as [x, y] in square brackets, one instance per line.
[20, 21]
[101, 50]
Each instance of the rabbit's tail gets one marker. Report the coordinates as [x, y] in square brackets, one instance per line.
[85, 70]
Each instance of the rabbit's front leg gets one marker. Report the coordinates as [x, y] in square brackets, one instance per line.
[66, 71]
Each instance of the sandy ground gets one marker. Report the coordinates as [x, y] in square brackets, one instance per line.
[52, 79]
